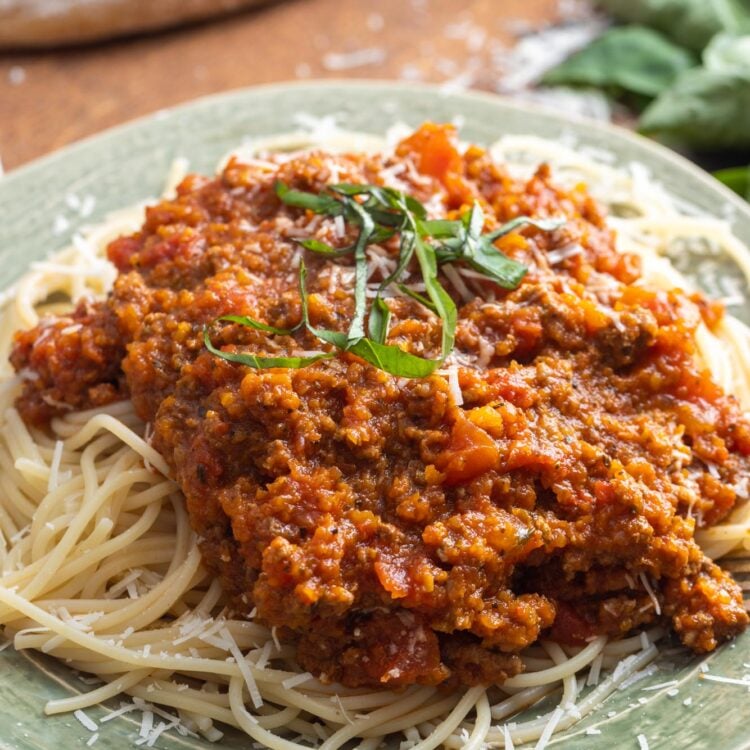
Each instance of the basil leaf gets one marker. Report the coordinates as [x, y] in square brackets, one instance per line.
[380, 318]
[381, 234]
[704, 109]
[737, 179]
[728, 54]
[367, 227]
[383, 196]
[320, 204]
[380, 314]
[350, 189]
[258, 362]
[630, 58]
[689, 23]
[394, 360]
[504, 271]
[323, 248]
[244, 320]
[482, 255]
[445, 307]
[545, 225]
[440, 228]
[384, 212]
[415, 207]
[418, 297]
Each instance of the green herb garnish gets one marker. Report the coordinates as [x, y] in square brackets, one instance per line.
[631, 59]
[380, 213]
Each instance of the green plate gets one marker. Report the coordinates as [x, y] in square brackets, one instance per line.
[128, 163]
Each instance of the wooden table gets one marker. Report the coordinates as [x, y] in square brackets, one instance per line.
[48, 99]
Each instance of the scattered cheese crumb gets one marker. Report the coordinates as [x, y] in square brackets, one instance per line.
[90, 724]
[16, 75]
[357, 59]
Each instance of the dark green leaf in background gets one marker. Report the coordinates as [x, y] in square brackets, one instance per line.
[704, 109]
[632, 58]
[689, 23]
[737, 179]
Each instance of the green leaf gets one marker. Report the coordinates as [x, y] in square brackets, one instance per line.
[737, 179]
[440, 228]
[704, 109]
[504, 271]
[366, 228]
[384, 212]
[323, 248]
[320, 204]
[379, 320]
[544, 225]
[418, 297]
[258, 362]
[380, 314]
[445, 307]
[481, 254]
[394, 360]
[631, 58]
[728, 54]
[351, 189]
[381, 234]
[689, 23]
[244, 320]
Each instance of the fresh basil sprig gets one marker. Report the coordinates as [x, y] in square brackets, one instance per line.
[380, 213]
[707, 107]
[631, 59]
[690, 23]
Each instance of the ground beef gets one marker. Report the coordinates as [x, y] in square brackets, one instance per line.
[397, 536]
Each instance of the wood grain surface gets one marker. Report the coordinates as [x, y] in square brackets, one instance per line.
[51, 98]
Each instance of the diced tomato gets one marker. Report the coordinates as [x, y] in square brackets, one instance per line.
[121, 250]
[434, 147]
[604, 492]
[471, 452]
[569, 627]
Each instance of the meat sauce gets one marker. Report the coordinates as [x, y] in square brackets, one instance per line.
[396, 535]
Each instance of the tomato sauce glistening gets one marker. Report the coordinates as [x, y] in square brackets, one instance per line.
[397, 536]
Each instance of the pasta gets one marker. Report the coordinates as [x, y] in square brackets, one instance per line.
[100, 568]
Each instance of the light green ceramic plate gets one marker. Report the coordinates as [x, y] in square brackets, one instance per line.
[129, 163]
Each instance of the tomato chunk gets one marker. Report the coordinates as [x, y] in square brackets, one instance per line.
[471, 452]
[434, 147]
[570, 627]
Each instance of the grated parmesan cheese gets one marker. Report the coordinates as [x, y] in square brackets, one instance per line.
[650, 592]
[726, 680]
[549, 728]
[297, 679]
[244, 667]
[87, 722]
[147, 723]
[454, 385]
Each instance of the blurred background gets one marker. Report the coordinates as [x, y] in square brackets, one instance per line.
[676, 69]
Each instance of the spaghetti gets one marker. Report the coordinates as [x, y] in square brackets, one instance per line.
[100, 567]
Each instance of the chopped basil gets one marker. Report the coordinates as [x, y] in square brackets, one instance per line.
[380, 213]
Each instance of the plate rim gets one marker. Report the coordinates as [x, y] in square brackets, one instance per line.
[659, 150]
[646, 148]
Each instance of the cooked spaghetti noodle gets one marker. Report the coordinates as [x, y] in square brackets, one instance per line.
[100, 567]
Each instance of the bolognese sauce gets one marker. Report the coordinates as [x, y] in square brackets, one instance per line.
[547, 481]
